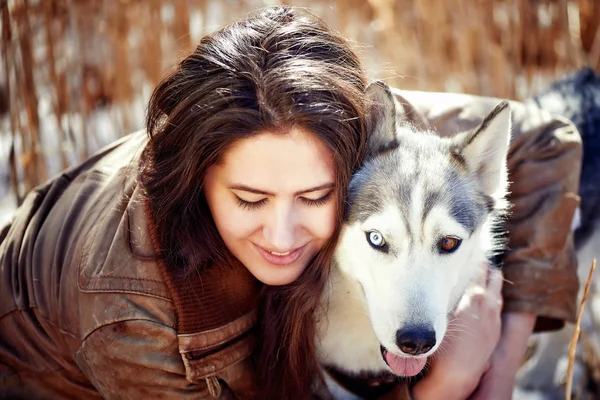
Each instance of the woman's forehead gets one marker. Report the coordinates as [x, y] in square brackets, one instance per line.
[292, 160]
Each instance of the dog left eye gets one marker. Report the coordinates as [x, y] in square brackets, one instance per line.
[449, 244]
[375, 239]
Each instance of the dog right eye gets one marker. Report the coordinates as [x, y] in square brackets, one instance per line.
[376, 240]
[449, 244]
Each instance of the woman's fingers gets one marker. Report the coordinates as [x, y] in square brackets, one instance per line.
[475, 332]
[487, 366]
[490, 277]
[495, 279]
[494, 289]
[481, 276]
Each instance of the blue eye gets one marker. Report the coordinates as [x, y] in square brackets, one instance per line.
[376, 240]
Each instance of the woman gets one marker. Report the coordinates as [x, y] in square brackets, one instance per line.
[160, 265]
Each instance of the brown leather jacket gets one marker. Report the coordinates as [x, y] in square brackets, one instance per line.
[86, 311]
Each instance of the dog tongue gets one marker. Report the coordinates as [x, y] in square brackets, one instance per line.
[405, 366]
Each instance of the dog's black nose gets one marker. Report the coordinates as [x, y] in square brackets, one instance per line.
[415, 340]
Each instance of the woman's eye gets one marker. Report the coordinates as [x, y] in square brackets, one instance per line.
[375, 239]
[250, 205]
[449, 244]
[316, 202]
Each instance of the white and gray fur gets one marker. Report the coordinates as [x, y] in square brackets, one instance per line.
[415, 188]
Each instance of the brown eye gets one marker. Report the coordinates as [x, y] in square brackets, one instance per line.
[449, 244]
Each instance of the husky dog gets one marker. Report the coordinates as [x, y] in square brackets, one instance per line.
[422, 217]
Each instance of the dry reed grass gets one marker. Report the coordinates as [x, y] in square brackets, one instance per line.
[82, 56]
[576, 332]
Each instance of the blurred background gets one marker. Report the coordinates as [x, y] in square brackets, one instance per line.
[77, 74]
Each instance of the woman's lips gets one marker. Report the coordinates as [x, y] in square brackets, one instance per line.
[281, 259]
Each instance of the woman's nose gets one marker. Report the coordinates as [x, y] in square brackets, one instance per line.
[280, 229]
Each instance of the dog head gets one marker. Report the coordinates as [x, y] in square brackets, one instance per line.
[421, 218]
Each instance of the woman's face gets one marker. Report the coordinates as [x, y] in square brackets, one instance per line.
[273, 200]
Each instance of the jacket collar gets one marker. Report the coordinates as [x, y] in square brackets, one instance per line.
[215, 316]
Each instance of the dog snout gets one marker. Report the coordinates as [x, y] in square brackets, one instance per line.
[415, 340]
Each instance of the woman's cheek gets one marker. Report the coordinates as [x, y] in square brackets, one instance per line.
[231, 220]
[324, 222]
[241, 223]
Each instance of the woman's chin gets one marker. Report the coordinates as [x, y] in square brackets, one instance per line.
[277, 275]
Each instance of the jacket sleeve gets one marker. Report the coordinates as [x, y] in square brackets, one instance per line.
[544, 164]
[540, 266]
[137, 359]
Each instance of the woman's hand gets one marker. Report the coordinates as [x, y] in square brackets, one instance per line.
[473, 333]
[499, 381]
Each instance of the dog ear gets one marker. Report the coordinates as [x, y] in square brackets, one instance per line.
[381, 120]
[485, 150]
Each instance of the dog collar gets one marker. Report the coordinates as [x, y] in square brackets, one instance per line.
[365, 385]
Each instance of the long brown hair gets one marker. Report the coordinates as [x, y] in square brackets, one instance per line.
[278, 69]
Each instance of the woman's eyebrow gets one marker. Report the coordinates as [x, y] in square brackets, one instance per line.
[245, 188]
[249, 189]
[318, 188]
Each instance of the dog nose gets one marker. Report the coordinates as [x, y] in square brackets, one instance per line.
[415, 340]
